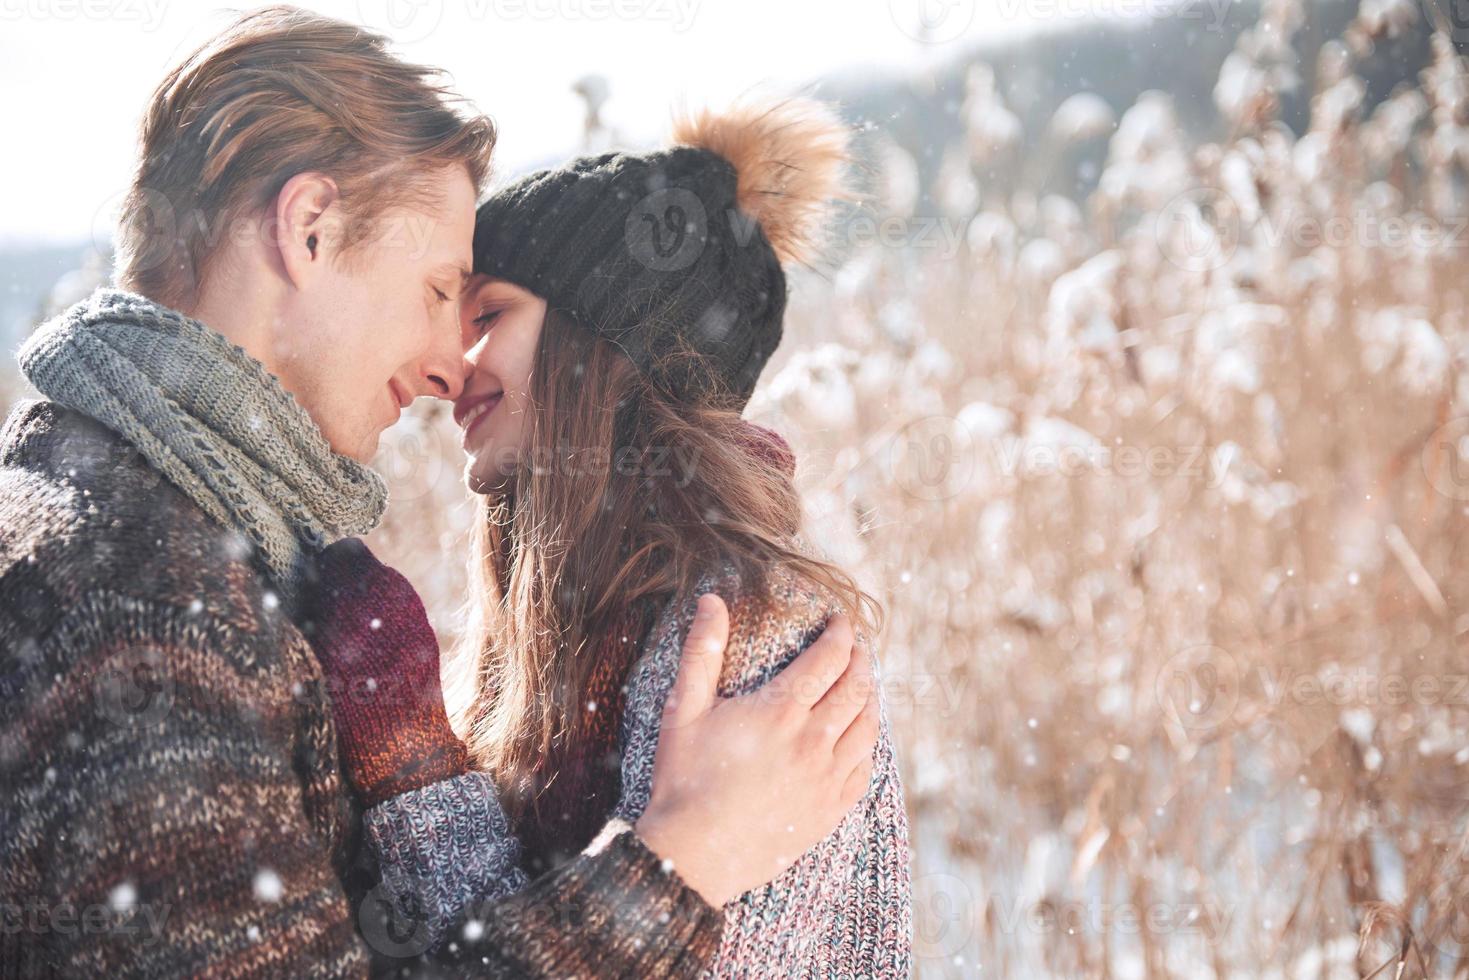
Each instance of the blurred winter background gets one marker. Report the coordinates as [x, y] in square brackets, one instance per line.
[1135, 386]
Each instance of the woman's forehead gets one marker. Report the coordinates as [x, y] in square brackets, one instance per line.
[481, 284]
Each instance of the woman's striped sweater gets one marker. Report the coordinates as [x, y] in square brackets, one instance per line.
[842, 910]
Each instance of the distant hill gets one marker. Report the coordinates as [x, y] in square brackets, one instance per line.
[1117, 61]
[28, 276]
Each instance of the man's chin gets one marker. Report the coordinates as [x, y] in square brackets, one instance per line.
[368, 451]
[365, 448]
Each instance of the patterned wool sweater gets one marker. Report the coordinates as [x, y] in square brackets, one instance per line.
[173, 804]
[842, 910]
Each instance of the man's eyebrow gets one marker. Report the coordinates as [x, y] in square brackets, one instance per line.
[456, 270]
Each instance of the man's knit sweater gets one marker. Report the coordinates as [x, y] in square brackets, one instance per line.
[172, 799]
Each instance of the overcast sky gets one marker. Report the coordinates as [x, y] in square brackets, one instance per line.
[76, 73]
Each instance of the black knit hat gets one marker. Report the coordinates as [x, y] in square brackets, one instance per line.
[678, 249]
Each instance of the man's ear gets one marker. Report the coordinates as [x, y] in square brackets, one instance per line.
[308, 216]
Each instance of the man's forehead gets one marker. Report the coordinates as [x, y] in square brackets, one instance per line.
[451, 275]
[457, 269]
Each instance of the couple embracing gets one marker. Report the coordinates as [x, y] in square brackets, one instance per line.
[226, 749]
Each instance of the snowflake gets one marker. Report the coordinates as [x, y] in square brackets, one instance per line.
[123, 897]
[268, 887]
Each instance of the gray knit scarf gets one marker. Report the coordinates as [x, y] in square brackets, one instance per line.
[211, 419]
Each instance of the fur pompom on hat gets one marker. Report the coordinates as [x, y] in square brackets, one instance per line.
[677, 255]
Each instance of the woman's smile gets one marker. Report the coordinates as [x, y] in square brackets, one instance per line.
[475, 412]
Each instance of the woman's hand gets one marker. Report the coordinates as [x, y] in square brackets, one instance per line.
[743, 786]
[380, 658]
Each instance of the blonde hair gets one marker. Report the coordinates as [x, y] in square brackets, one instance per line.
[280, 92]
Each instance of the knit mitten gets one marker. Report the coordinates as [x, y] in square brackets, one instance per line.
[381, 661]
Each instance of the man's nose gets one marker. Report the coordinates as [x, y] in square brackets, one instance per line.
[445, 379]
[444, 369]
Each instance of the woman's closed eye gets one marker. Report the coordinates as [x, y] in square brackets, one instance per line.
[485, 319]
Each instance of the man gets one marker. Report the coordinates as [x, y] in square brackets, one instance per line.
[289, 256]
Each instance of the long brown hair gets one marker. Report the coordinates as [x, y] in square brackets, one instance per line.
[622, 495]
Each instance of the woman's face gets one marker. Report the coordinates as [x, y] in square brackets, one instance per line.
[501, 327]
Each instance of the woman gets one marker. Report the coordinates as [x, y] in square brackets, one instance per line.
[622, 309]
